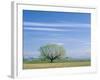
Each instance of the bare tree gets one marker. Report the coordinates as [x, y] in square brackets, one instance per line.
[52, 52]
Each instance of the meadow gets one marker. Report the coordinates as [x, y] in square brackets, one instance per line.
[56, 64]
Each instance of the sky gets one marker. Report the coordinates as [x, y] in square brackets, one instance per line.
[69, 29]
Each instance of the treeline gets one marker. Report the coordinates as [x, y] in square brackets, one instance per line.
[39, 60]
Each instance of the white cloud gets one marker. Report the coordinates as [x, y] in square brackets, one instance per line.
[46, 29]
[58, 43]
[81, 25]
[53, 26]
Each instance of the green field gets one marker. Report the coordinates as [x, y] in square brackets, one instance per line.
[56, 64]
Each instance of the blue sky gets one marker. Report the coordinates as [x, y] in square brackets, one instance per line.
[69, 29]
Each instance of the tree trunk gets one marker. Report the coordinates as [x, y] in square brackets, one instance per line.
[51, 61]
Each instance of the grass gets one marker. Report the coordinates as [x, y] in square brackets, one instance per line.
[56, 64]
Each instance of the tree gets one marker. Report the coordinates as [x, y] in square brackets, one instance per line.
[52, 52]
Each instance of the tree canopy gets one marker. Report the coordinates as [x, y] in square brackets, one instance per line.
[52, 52]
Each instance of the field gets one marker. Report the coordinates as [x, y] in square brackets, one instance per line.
[56, 64]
